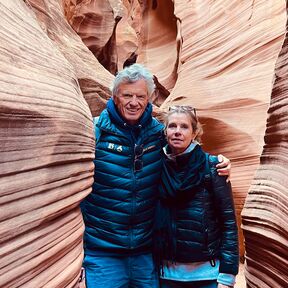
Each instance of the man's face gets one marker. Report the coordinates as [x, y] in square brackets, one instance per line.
[131, 100]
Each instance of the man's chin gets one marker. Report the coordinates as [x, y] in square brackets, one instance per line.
[132, 117]
[133, 120]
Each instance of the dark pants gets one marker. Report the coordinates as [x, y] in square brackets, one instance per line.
[194, 284]
[120, 272]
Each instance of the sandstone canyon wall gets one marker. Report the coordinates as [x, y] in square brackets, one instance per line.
[226, 62]
[47, 147]
[218, 56]
[265, 212]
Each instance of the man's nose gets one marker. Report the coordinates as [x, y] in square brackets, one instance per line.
[134, 100]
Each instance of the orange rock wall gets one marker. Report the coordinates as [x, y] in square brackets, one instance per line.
[226, 63]
[93, 79]
[218, 56]
[120, 30]
[46, 152]
[265, 212]
[220, 51]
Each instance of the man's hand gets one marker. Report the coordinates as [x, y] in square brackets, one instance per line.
[224, 167]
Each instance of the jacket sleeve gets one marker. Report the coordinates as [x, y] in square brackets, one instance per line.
[224, 205]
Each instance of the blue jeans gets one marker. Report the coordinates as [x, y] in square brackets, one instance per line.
[120, 272]
[194, 284]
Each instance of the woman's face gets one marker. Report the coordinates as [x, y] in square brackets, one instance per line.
[179, 132]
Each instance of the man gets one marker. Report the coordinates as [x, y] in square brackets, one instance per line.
[119, 212]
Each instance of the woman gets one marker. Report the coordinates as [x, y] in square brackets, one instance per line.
[197, 224]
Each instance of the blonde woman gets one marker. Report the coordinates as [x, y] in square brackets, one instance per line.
[197, 222]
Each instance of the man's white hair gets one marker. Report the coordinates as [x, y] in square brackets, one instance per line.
[132, 74]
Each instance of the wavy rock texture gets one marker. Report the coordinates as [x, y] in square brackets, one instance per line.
[220, 51]
[47, 147]
[231, 67]
[218, 56]
[94, 79]
[265, 212]
[96, 22]
[118, 32]
[226, 64]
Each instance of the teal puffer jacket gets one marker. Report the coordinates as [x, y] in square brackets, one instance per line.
[119, 212]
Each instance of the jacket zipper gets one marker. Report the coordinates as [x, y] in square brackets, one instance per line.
[133, 199]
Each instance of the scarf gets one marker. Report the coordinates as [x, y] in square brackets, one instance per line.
[182, 176]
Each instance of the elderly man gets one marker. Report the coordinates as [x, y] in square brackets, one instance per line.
[119, 212]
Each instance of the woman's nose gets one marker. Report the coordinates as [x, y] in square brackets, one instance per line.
[178, 130]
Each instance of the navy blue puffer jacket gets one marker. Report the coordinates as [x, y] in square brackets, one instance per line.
[203, 220]
[119, 212]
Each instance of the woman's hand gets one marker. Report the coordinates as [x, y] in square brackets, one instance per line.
[224, 286]
[224, 167]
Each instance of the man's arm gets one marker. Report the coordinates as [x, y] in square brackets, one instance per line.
[224, 167]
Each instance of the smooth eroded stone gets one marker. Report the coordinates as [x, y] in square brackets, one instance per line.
[265, 211]
[47, 148]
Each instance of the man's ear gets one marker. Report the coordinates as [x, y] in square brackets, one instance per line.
[165, 131]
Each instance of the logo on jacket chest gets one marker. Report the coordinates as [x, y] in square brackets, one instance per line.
[113, 146]
[119, 148]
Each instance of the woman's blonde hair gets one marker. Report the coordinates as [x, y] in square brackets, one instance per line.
[191, 113]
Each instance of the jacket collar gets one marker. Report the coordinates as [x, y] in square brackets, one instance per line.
[184, 154]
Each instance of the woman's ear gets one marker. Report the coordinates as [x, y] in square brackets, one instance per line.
[194, 135]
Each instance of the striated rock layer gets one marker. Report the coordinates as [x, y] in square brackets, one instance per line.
[218, 56]
[96, 22]
[265, 212]
[94, 79]
[226, 63]
[47, 147]
[119, 32]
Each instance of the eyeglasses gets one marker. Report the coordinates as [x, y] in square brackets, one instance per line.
[182, 108]
[138, 152]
